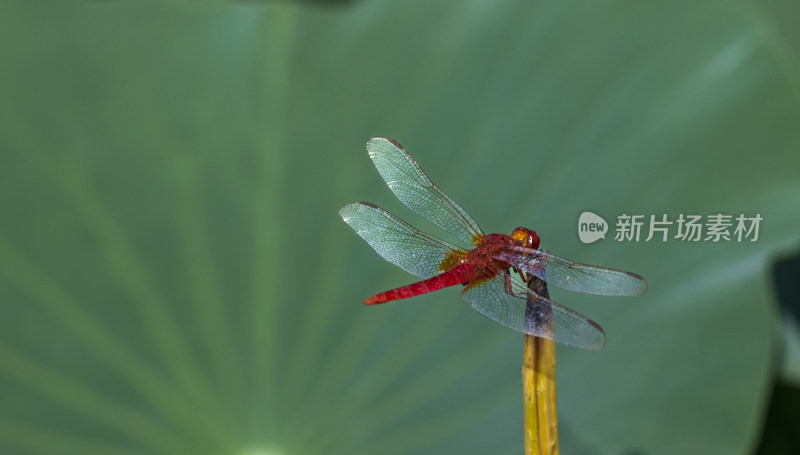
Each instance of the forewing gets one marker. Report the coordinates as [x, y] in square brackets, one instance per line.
[573, 276]
[414, 189]
[495, 300]
[395, 240]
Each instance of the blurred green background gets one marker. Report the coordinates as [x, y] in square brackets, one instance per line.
[175, 278]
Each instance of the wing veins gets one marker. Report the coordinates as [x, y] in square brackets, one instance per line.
[492, 300]
[418, 192]
[573, 276]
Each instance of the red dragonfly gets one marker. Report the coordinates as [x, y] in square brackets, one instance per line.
[495, 272]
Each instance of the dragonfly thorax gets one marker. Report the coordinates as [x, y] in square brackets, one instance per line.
[484, 255]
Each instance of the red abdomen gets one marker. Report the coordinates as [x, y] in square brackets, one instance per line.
[460, 274]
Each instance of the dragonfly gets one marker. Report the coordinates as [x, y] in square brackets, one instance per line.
[496, 272]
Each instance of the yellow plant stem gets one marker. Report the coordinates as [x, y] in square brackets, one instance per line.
[539, 381]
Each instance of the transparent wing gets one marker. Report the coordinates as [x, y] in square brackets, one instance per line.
[414, 189]
[503, 299]
[395, 240]
[573, 276]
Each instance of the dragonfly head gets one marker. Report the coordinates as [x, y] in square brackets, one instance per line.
[527, 237]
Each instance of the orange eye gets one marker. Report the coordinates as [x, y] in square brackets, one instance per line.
[527, 236]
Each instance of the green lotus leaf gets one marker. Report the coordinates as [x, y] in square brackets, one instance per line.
[175, 278]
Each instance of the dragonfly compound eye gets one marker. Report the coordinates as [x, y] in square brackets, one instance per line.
[527, 236]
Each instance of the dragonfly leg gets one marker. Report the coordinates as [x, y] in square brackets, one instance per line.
[508, 287]
[525, 277]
